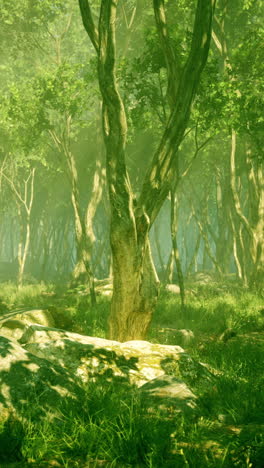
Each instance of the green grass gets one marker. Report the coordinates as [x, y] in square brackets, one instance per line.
[27, 296]
[116, 430]
[73, 304]
[208, 313]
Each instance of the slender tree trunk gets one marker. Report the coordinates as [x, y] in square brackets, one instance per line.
[21, 258]
[223, 241]
[24, 199]
[255, 175]
[158, 248]
[82, 271]
[169, 268]
[174, 229]
[84, 234]
[240, 219]
[194, 262]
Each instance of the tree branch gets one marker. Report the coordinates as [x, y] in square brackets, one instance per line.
[161, 173]
[172, 62]
[89, 23]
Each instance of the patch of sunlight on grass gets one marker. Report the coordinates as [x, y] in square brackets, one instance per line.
[115, 430]
[26, 296]
[207, 313]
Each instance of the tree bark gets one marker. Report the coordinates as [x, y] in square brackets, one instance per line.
[174, 229]
[135, 283]
[24, 199]
[158, 249]
[84, 234]
[82, 271]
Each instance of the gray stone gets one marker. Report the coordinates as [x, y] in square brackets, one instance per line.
[169, 394]
[137, 361]
[13, 324]
[182, 337]
[51, 367]
[173, 288]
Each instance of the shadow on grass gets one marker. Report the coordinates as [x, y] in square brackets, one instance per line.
[50, 412]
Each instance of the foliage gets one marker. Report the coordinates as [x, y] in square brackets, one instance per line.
[24, 119]
[65, 90]
[30, 13]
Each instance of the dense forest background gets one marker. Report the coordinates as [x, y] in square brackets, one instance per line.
[53, 185]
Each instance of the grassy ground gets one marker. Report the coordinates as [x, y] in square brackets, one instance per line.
[114, 428]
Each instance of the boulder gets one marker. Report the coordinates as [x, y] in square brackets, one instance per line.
[48, 368]
[170, 395]
[104, 287]
[13, 324]
[87, 357]
[13, 328]
[182, 337]
[173, 288]
[136, 361]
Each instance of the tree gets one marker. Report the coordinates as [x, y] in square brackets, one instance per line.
[64, 98]
[134, 279]
[23, 152]
[24, 198]
[242, 81]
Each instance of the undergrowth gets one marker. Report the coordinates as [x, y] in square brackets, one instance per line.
[114, 428]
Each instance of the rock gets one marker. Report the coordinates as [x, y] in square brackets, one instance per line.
[137, 362]
[104, 287]
[163, 373]
[13, 328]
[173, 288]
[49, 368]
[33, 387]
[170, 395]
[186, 336]
[13, 324]
[227, 335]
[177, 336]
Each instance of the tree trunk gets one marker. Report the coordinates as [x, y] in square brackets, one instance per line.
[84, 235]
[223, 241]
[174, 229]
[135, 291]
[24, 200]
[82, 272]
[21, 252]
[193, 265]
[135, 281]
[158, 249]
[169, 268]
[256, 217]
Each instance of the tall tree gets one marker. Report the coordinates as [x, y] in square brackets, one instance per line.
[134, 279]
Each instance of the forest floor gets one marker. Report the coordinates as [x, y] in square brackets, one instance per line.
[227, 325]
